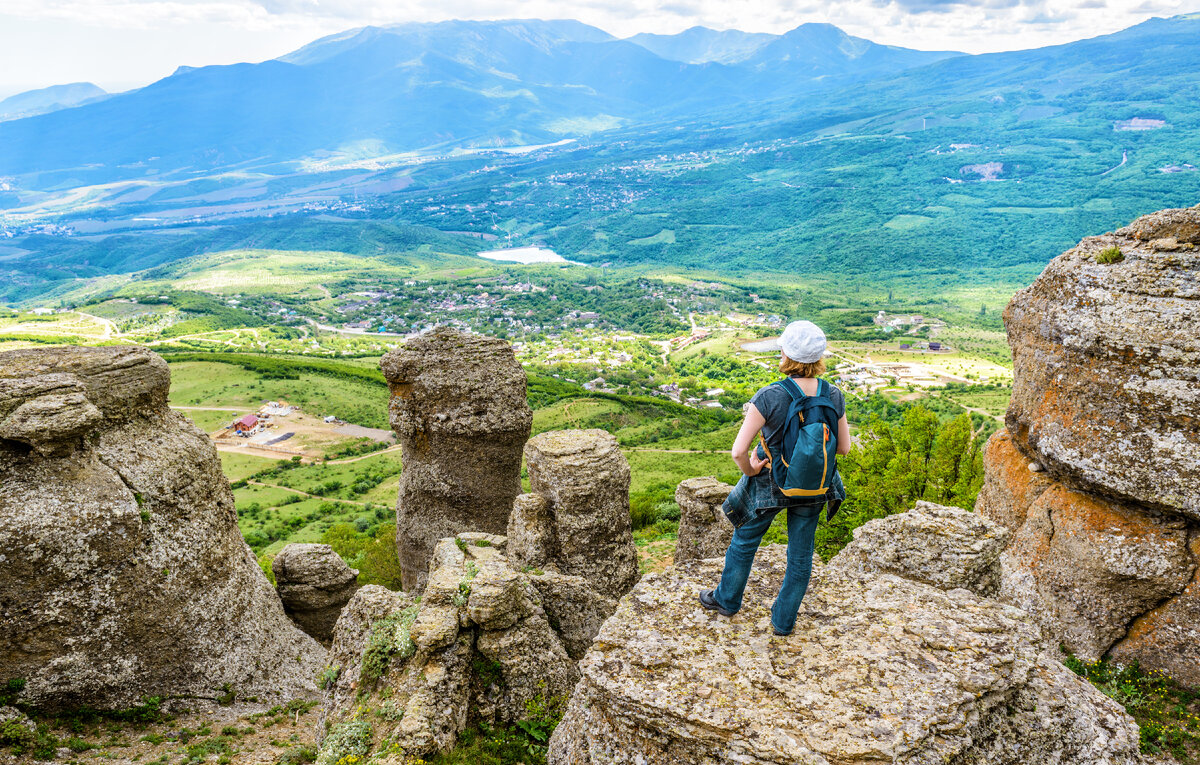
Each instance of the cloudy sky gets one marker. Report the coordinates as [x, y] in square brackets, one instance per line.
[119, 44]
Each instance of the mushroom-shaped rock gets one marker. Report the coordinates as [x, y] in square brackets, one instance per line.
[314, 584]
[585, 478]
[459, 409]
[1106, 365]
[704, 531]
[946, 547]
[122, 571]
[880, 669]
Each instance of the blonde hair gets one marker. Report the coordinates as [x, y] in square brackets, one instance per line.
[799, 369]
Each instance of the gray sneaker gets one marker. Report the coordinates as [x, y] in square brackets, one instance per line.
[708, 601]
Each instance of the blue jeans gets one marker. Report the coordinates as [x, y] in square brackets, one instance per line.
[802, 531]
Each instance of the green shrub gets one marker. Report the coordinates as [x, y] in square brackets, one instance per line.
[10, 691]
[297, 755]
[345, 740]
[328, 676]
[390, 637]
[1110, 255]
[1161, 707]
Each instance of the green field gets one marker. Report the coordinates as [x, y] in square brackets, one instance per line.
[226, 385]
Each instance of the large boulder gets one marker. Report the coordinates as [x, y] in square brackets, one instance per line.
[946, 547]
[459, 409]
[124, 575]
[880, 669]
[585, 480]
[486, 642]
[314, 584]
[1106, 361]
[704, 531]
[1098, 471]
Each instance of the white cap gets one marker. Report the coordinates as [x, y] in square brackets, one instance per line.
[803, 341]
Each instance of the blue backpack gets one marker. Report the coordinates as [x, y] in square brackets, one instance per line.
[808, 448]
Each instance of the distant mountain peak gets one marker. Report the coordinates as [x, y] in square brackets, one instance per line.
[701, 45]
[51, 99]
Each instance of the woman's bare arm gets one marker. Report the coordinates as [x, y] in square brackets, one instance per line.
[749, 464]
[843, 436]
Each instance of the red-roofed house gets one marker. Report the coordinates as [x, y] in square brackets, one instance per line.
[247, 424]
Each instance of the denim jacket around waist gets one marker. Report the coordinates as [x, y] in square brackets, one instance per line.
[754, 494]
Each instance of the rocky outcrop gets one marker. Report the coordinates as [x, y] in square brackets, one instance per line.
[1106, 361]
[704, 531]
[880, 669]
[1098, 472]
[123, 574]
[584, 479]
[946, 547]
[487, 641]
[459, 409]
[314, 584]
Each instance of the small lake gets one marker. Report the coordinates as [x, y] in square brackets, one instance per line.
[524, 255]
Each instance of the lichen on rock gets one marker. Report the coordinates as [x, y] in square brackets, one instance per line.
[1106, 407]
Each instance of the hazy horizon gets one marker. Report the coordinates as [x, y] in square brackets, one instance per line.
[124, 44]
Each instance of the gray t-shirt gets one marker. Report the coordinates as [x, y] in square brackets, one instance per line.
[772, 403]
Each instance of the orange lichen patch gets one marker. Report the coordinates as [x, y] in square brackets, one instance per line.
[1011, 486]
[1077, 513]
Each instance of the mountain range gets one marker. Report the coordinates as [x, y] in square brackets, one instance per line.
[383, 90]
[811, 152]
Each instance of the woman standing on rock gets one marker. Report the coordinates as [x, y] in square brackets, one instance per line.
[789, 470]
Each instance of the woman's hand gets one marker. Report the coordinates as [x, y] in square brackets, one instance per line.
[756, 465]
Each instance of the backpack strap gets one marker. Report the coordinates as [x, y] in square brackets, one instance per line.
[792, 388]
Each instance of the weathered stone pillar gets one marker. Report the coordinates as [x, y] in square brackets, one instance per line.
[314, 584]
[458, 406]
[704, 531]
[585, 478]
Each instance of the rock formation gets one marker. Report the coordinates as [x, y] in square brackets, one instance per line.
[487, 641]
[1098, 472]
[314, 584]
[880, 669]
[1106, 360]
[458, 406]
[704, 531]
[946, 547]
[122, 571]
[584, 479]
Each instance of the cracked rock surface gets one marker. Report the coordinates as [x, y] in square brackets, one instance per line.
[486, 642]
[880, 669]
[1097, 474]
